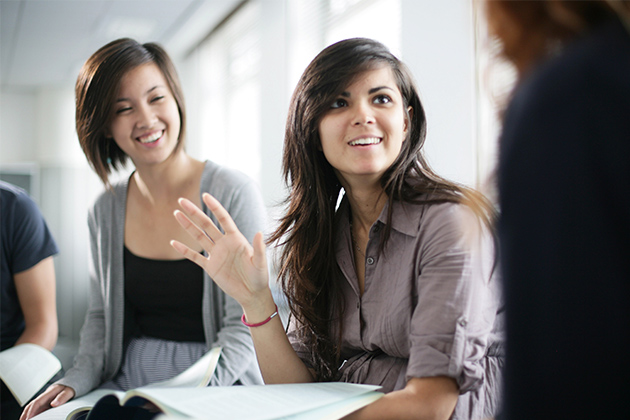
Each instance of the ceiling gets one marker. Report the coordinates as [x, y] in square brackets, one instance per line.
[44, 42]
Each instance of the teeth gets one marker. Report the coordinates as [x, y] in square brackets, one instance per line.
[150, 139]
[362, 142]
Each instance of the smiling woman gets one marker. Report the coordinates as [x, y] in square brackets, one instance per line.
[145, 123]
[393, 286]
[363, 132]
[151, 314]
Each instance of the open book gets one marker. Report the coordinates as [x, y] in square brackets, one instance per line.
[26, 368]
[311, 401]
[197, 375]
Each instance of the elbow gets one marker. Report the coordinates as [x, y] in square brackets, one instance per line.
[44, 334]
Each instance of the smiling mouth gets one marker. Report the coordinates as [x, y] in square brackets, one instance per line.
[365, 141]
[151, 138]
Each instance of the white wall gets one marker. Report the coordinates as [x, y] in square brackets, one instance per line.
[438, 46]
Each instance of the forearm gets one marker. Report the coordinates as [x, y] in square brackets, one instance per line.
[276, 357]
[422, 399]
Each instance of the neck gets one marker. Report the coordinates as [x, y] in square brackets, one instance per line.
[167, 180]
[366, 205]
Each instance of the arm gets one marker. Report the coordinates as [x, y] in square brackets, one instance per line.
[240, 270]
[422, 398]
[36, 292]
[241, 198]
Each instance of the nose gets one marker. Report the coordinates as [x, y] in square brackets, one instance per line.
[363, 114]
[146, 117]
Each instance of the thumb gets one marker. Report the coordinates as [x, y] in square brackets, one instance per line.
[260, 256]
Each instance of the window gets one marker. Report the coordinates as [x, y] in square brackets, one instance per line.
[228, 74]
[315, 24]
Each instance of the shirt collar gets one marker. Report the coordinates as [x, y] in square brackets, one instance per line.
[405, 217]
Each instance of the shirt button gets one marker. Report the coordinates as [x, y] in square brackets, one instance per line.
[370, 260]
[377, 228]
[463, 322]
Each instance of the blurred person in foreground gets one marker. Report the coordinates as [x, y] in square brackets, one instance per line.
[564, 227]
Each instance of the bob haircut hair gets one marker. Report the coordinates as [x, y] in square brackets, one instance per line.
[307, 263]
[95, 94]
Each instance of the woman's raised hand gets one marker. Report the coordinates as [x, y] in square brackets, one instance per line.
[237, 267]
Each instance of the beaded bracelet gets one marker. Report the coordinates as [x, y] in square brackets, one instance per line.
[258, 324]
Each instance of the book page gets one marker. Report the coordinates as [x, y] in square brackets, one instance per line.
[26, 368]
[197, 375]
[255, 402]
[337, 410]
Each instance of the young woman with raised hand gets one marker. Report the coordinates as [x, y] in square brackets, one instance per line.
[391, 285]
[151, 313]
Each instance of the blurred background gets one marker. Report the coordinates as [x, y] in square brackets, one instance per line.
[238, 61]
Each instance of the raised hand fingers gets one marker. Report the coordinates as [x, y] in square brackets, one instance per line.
[193, 230]
[193, 256]
[195, 217]
[222, 215]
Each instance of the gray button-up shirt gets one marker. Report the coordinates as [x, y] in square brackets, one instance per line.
[429, 307]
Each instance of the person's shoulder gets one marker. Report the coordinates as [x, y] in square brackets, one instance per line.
[416, 217]
[223, 182]
[110, 196]
[215, 173]
[10, 190]
[16, 198]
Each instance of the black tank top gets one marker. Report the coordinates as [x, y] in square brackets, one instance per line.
[163, 298]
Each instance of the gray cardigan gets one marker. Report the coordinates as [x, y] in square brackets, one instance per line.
[101, 344]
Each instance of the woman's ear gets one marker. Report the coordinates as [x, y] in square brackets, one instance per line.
[407, 122]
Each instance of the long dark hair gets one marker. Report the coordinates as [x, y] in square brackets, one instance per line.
[307, 263]
[95, 94]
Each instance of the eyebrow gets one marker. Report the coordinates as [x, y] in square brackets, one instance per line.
[371, 91]
[148, 91]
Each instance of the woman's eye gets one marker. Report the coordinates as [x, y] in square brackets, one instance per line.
[382, 99]
[157, 98]
[339, 103]
[123, 110]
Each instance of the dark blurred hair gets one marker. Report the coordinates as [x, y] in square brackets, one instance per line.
[307, 263]
[95, 95]
[530, 30]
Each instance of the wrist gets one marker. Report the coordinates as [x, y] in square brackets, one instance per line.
[261, 323]
[259, 310]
